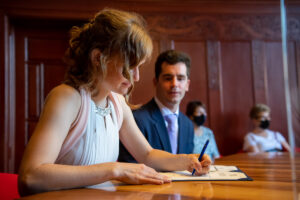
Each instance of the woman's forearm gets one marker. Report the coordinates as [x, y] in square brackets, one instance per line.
[286, 146]
[164, 161]
[48, 177]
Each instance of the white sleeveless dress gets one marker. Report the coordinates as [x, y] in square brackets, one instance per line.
[92, 138]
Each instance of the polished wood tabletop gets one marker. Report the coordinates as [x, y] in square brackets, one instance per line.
[275, 176]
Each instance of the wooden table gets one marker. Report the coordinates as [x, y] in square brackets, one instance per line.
[271, 172]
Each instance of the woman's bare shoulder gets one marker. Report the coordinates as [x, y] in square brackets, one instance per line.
[64, 97]
[65, 93]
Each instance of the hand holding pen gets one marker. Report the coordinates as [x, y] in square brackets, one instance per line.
[202, 154]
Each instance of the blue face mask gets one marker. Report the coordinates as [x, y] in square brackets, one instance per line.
[199, 120]
[264, 124]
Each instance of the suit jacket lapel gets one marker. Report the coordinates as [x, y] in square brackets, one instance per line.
[160, 126]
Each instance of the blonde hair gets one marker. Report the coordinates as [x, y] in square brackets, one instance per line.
[114, 33]
[258, 108]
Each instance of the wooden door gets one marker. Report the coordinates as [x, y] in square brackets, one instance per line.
[40, 47]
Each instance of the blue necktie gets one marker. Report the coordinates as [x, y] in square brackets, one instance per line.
[172, 120]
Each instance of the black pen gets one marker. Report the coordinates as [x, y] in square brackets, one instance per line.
[201, 155]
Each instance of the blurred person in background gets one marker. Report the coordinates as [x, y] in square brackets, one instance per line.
[196, 111]
[261, 138]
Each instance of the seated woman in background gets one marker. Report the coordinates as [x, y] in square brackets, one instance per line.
[197, 113]
[261, 139]
[76, 141]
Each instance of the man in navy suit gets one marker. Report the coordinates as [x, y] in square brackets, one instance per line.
[172, 69]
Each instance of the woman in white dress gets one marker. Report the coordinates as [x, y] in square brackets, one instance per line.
[261, 139]
[75, 143]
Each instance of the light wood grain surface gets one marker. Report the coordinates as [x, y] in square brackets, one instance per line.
[275, 176]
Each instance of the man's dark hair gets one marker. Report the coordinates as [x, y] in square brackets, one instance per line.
[172, 57]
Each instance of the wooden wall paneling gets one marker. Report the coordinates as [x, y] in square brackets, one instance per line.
[56, 44]
[3, 133]
[21, 135]
[237, 93]
[294, 90]
[144, 90]
[77, 9]
[52, 69]
[293, 28]
[39, 81]
[198, 75]
[259, 72]
[39, 68]
[297, 111]
[215, 95]
[297, 49]
[216, 26]
[276, 95]
[7, 97]
[33, 87]
[10, 95]
[164, 42]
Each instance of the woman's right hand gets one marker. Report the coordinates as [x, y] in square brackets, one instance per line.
[132, 173]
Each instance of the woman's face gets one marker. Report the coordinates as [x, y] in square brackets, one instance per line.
[115, 81]
[262, 116]
[199, 116]
[199, 111]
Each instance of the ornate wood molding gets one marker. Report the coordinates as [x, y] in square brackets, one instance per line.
[201, 19]
[223, 27]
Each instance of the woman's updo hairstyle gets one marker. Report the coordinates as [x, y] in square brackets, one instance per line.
[116, 34]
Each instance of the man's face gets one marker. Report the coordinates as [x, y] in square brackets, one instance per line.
[172, 84]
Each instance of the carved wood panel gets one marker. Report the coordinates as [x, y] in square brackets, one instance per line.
[223, 27]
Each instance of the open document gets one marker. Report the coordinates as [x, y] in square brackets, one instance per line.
[216, 173]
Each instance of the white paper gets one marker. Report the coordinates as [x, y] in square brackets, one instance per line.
[217, 172]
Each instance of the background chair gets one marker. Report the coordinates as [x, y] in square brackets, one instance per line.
[8, 186]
